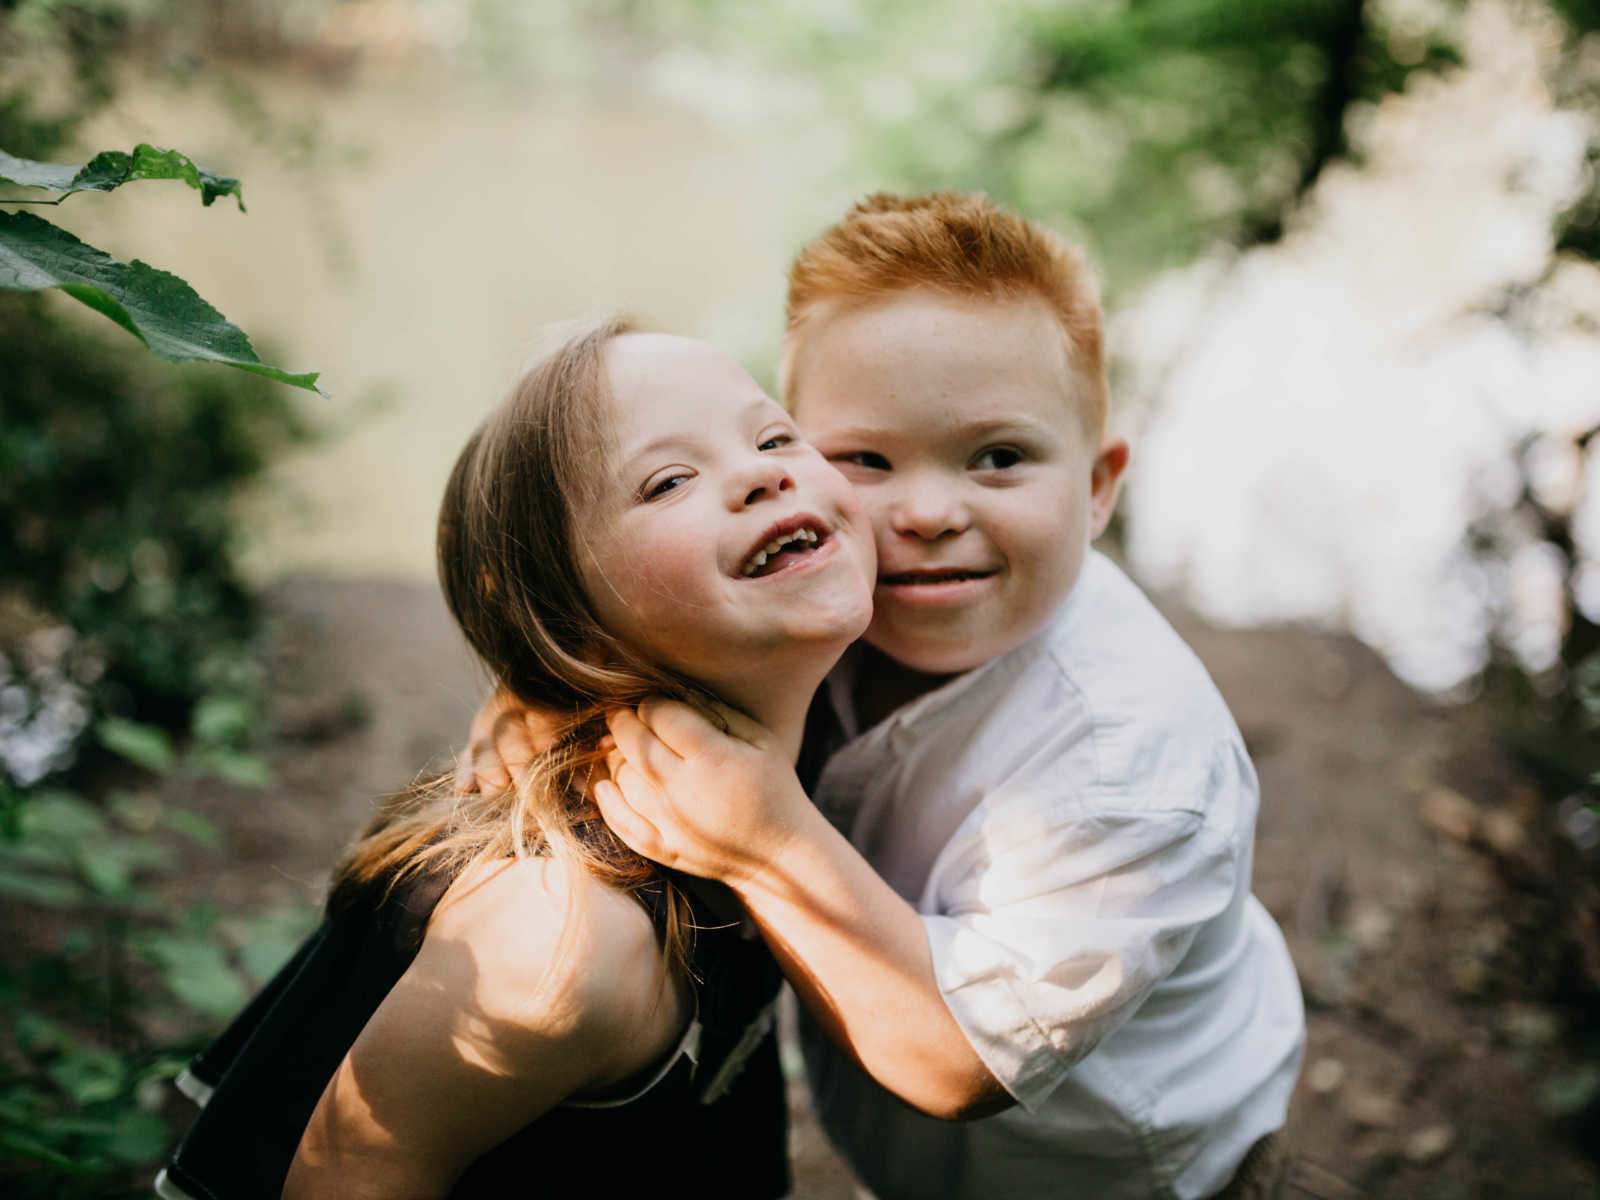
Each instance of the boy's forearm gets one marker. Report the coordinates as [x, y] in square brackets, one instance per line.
[857, 955]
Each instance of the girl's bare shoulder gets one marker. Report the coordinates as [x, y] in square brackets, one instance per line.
[553, 950]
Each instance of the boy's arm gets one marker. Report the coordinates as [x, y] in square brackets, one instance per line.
[503, 739]
[1056, 913]
[730, 808]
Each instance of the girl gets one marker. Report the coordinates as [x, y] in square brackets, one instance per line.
[501, 987]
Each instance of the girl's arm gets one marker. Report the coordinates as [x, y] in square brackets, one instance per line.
[528, 990]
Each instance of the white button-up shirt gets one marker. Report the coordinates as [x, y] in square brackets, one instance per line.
[1074, 820]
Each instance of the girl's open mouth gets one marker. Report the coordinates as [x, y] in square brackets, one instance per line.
[786, 546]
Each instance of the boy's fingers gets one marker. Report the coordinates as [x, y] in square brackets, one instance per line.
[688, 730]
[538, 729]
[639, 746]
[511, 739]
[466, 782]
[636, 832]
[489, 772]
[740, 726]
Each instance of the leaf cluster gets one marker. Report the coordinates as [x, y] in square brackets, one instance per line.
[120, 591]
[122, 610]
[97, 973]
[157, 307]
[117, 481]
[1222, 115]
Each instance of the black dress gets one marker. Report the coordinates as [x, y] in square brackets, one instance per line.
[716, 1115]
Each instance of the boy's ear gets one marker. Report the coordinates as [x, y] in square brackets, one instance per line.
[1104, 479]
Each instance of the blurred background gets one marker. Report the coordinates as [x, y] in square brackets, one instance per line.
[1348, 258]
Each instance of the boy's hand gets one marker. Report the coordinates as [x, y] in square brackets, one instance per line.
[505, 736]
[685, 794]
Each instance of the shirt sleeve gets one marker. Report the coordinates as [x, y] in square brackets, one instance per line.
[1051, 917]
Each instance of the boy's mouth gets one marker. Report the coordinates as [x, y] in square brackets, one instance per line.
[930, 577]
[784, 545]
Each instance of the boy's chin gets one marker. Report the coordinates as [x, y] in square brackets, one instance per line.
[923, 659]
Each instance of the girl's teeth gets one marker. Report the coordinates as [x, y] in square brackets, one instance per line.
[806, 536]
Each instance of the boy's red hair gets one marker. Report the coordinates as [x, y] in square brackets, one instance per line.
[959, 245]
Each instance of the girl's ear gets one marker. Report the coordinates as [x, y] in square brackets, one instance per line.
[1104, 479]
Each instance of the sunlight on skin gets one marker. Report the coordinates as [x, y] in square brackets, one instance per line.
[509, 1008]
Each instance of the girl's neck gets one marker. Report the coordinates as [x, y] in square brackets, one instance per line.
[780, 698]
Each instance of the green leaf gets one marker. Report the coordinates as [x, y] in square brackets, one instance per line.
[113, 168]
[143, 745]
[197, 828]
[37, 853]
[59, 819]
[1570, 1090]
[10, 811]
[108, 866]
[23, 1144]
[37, 1033]
[266, 940]
[135, 1137]
[197, 971]
[158, 308]
[236, 767]
[89, 1076]
[33, 889]
[222, 719]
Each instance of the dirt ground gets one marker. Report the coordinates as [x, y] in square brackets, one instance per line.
[1426, 1060]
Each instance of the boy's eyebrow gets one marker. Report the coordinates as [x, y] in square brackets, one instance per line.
[984, 427]
[1005, 423]
[849, 433]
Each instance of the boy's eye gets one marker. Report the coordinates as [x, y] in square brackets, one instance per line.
[870, 459]
[775, 441]
[996, 458]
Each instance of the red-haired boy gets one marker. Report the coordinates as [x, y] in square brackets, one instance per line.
[1020, 901]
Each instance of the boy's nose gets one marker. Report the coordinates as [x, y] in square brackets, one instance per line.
[929, 509]
[763, 479]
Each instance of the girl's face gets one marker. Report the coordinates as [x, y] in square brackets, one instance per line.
[718, 543]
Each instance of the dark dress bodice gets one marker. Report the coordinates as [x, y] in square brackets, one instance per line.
[718, 1117]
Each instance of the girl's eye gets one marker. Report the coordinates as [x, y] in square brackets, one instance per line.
[870, 459]
[662, 486]
[775, 441]
[996, 458]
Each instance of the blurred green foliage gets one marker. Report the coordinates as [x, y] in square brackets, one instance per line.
[124, 618]
[125, 641]
[117, 478]
[93, 1009]
[1152, 130]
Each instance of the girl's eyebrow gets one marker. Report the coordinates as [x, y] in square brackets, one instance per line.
[667, 441]
[688, 440]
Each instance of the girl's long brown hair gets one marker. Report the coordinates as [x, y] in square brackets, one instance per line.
[507, 549]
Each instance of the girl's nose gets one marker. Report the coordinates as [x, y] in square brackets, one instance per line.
[763, 478]
[929, 508]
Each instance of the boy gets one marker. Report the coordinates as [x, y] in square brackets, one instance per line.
[1038, 910]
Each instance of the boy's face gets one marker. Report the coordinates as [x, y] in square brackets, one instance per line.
[957, 421]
